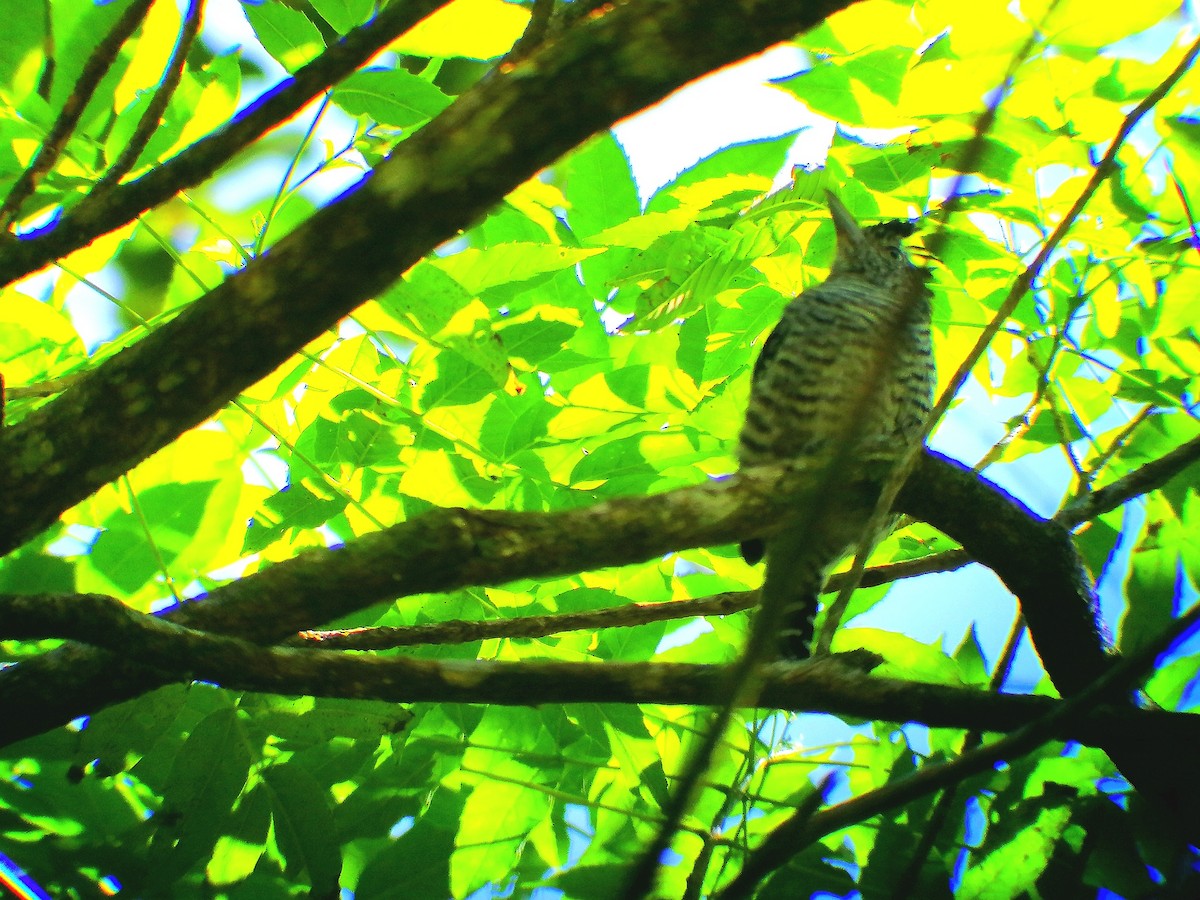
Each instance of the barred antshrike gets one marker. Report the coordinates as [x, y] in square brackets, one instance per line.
[844, 381]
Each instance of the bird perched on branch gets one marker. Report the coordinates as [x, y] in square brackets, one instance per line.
[844, 382]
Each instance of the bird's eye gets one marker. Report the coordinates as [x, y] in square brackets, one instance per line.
[895, 253]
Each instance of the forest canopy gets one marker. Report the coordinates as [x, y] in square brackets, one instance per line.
[368, 500]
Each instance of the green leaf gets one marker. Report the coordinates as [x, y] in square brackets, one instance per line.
[459, 381]
[124, 557]
[390, 96]
[296, 507]
[344, 15]
[303, 827]
[497, 818]
[420, 858]
[860, 90]
[238, 851]
[24, 26]
[206, 778]
[515, 424]
[1153, 586]
[506, 264]
[616, 467]
[1096, 24]
[732, 169]
[1012, 869]
[598, 186]
[286, 34]
[534, 340]
[311, 722]
[905, 657]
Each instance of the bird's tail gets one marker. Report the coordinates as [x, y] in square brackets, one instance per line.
[795, 639]
[796, 571]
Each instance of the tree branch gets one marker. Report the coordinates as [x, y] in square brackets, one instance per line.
[82, 225]
[826, 685]
[1142, 480]
[93, 72]
[439, 551]
[450, 548]
[1037, 561]
[463, 632]
[436, 183]
[624, 616]
[1034, 557]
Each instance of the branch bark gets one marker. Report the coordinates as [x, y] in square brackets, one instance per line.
[451, 548]
[180, 653]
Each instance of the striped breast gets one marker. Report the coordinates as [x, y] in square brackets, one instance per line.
[839, 364]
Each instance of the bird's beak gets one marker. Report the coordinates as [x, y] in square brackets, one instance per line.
[848, 231]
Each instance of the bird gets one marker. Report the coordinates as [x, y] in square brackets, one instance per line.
[844, 382]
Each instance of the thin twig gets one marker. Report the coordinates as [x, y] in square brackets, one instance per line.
[461, 632]
[196, 163]
[90, 77]
[277, 199]
[152, 115]
[626, 615]
[1138, 482]
[1115, 446]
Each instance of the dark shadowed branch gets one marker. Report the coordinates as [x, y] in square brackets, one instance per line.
[448, 549]
[179, 653]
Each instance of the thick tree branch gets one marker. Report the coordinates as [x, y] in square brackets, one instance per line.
[1037, 561]
[440, 551]
[452, 548]
[823, 685]
[437, 182]
[449, 549]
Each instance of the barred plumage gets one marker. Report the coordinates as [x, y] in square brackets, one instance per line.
[846, 374]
